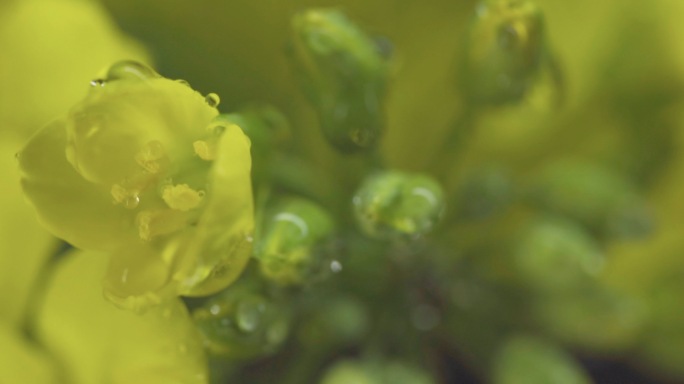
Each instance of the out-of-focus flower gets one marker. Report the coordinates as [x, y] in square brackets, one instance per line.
[57, 328]
[49, 51]
[80, 338]
[95, 342]
[22, 362]
[141, 170]
[375, 372]
[46, 45]
[24, 244]
[524, 359]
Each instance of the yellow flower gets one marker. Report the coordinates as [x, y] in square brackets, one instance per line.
[95, 342]
[80, 338]
[46, 45]
[49, 50]
[24, 244]
[21, 362]
[140, 169]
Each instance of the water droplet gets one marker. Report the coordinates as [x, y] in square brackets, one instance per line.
[336, 266]
[219, 129]
[249, 313]
[360, 137]
[213, 100]
[215, 309]
[131, 201]
[129, 69]
[97, 83]
[249, 238]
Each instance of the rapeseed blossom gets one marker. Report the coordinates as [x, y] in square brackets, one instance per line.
[55, 325]
[478, 190]
[140, 170]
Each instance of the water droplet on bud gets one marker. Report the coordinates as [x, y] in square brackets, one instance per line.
[397, 204]
[335, 266]
[249, 314]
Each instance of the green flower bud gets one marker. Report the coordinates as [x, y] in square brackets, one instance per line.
[662, 339]
[139, 169]
[290, 240]
[335, 321]
[343, 75]
[598, 198]
[240, 323]
[375, 372]
[526, 360]
[554, 255]
[504, 52]
[392, 203]
[593, 319]
[348, 372]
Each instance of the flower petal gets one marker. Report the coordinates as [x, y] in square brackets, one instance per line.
[71, 208]
[50, 50]
[20, 362]
[99, 343]
[24, 244]
[218, 250]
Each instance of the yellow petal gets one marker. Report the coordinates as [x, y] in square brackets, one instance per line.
[50, 50]
[215, 254]
[70, 207]
[21, 362]
[99, 343]
[126, 127]
[24, 244]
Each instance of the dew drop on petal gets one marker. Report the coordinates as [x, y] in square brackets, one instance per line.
[131, 201]
[97, 83]
[213, 100]
[129, 69]
[249, 314]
